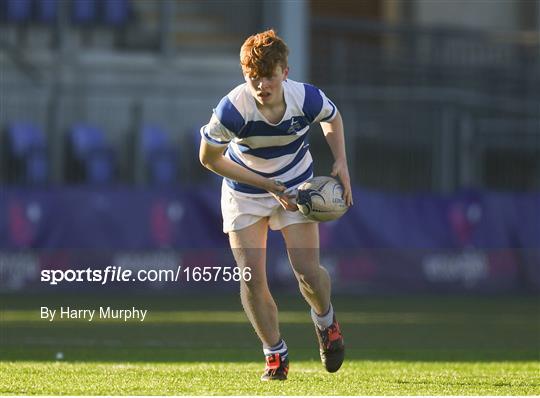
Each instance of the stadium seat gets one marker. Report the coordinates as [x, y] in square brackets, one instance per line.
[163, 168]
[24, 137]
[116, 12]
[47, 11]
[37, 167]
[18, 10]
[86, 139]
[153, 139]
[28, 151]
[84, 11]
[159, 155]
[100, 168]
[91, 154]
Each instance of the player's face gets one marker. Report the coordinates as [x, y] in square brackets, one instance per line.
[267, 90]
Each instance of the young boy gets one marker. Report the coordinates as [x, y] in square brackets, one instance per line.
[257, 140]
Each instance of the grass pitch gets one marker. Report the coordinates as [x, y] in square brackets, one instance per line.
[205, 346]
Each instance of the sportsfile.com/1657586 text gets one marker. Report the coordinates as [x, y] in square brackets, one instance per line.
[113, 274]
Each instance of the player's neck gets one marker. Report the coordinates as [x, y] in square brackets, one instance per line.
[273, 112]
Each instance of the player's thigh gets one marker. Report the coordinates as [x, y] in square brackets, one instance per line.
[249, 248]
[302, 241]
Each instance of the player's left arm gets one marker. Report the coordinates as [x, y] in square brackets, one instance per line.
[335, 137]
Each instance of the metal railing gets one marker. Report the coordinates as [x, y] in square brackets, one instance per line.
[417, 116]
[415, 101]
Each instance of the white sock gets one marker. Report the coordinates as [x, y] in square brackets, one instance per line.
[323, 321]
[280, 348]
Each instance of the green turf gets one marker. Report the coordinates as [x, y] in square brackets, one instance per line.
[306, 378]
[204, 346]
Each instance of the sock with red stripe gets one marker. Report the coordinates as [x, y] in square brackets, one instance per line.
[280, 348]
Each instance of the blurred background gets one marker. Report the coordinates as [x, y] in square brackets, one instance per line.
[102, 101]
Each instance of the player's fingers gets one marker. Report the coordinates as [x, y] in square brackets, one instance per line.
[286, 201]
[288, 207]
[277, 198]
[347, 192]
[344, 178]
[349, 199]
[289, 203]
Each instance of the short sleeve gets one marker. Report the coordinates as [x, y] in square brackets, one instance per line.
[216, 133]
[328, 111]
[317, 107]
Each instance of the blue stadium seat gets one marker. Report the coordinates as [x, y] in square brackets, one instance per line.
[28, 148]
[153, 139]
[85, 139]
[47, 10]
[91, 151]
[24, 137]
[100, 167]
[163, 168]
[159, 155]
[116, 12]
[37, 167]
[84, 11]
[18, 10]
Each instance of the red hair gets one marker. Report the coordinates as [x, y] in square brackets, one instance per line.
[262, 52]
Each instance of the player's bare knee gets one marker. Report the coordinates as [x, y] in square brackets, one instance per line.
[254, 286]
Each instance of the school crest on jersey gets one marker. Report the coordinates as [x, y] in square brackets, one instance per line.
[294, 127]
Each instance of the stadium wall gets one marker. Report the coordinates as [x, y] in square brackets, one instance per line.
[469, 242]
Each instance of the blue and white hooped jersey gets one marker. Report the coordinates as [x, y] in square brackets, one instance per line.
[278, 151]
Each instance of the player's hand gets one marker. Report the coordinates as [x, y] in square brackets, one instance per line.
[340, 170]
[287, 201]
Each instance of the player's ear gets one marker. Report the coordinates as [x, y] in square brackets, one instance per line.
[286, 73]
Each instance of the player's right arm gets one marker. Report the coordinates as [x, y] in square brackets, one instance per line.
[211, 157]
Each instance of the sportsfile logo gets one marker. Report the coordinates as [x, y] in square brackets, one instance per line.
[112, 274]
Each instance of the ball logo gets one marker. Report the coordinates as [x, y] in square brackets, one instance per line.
[305, 198]
[337, 193]
[321, 199]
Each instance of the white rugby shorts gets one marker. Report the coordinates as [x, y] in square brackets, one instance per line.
[240, 211]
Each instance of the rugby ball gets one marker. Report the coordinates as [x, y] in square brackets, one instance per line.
[321, 199]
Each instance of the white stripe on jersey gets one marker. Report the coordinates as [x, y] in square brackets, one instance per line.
[265, 165]
[261, 141]
[278, 151]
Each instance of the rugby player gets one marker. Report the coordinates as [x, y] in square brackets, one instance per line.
[257, 139]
